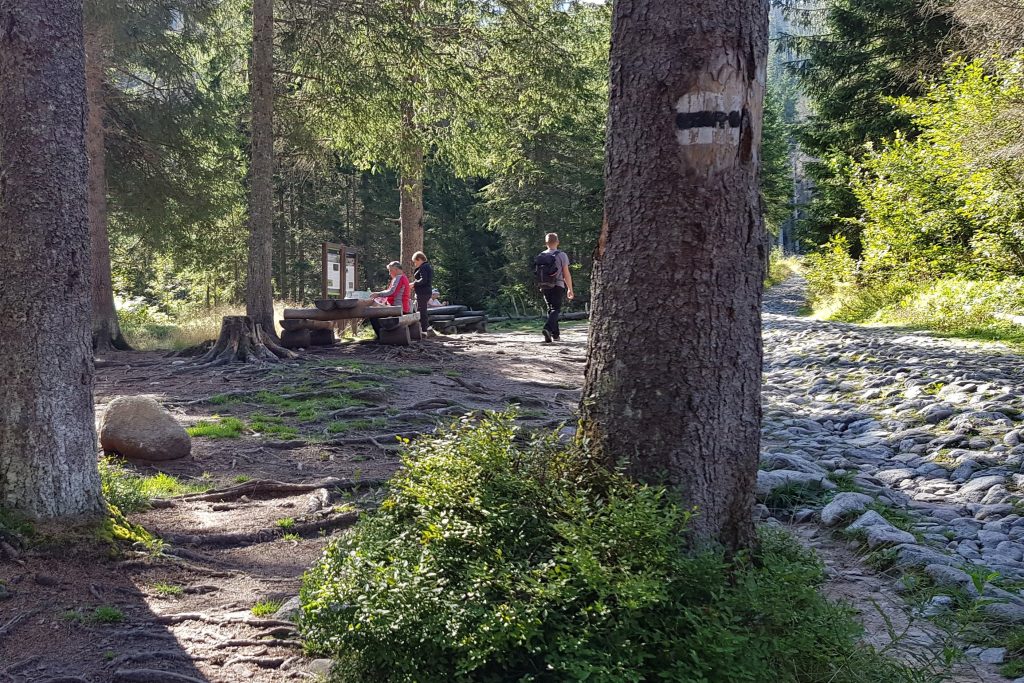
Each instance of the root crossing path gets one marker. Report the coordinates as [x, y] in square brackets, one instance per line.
[909, 447]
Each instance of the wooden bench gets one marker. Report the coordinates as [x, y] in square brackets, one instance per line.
[466, 323]
[305, 327]
[400, 330]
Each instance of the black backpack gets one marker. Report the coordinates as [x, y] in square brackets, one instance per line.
[545, 269]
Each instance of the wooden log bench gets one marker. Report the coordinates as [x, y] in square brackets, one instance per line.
[400, 330]
[469, 323]
[304, 327]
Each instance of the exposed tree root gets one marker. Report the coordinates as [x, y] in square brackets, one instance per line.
[228, 540]
[152, 676]
[275, 489]
[136, 657]
[255, 622]
[9, 626]
[262, 662]
[256, 642]
[240, 341]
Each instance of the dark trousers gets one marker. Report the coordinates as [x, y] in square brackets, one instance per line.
[421, 304]
[554, 297]
[375, 324]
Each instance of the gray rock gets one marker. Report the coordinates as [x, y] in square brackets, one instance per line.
[993, 655]
[887, 535]
[289, 611]
[868, 519]
[911, 555]
[975, 489]
[935, 413]
[843, 506]
[1005, 612]
[138, 428]
[894, 476]
[950, 577]
[937, 605]
[320, 667]
[769, 481]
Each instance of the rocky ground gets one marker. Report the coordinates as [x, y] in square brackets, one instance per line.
[895, 455]
[911, 446]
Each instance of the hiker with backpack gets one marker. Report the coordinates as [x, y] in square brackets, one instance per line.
[551, 270]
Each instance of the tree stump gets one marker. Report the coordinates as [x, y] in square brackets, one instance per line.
[242, 341]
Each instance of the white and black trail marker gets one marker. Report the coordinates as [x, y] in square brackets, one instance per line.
[709, 118]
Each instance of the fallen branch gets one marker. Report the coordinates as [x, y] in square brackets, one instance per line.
[235, 539]
[9, 626]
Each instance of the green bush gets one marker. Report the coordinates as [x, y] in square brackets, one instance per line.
[494, 561]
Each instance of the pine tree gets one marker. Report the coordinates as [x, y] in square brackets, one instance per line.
[676, 400]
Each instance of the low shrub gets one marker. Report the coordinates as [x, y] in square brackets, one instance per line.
[494, 561]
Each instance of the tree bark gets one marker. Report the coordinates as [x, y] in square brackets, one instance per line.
[47, 433]
[241, 341]
[259, 297]
[676, 400]
[106, 330]
[410, 186]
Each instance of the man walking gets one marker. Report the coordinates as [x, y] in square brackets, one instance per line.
[551, 268]
[423, 284]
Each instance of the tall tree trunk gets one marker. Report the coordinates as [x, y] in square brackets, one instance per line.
[259, 297]
[106, 330]
[47, 434]
[676, 399]
[410, 186]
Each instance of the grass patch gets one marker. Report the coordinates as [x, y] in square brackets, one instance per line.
[104, 614]
[265, 608]
[951, 307]
[781, 268]
[242, 478]
[291, 537]
[14, 523]
[493, 560]
[265, 424]
[845, 483]
[167, 590]
[286, 523]
[795, 495]
[362, 424]
[129, 491]
[223, 428]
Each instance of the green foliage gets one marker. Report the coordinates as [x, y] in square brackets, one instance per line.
[130, 492]
[223, 428]
[167, 590]
[781, 267]
[776, 174]
[854, 56]
[104, 614]
[265, 608]
[494, 561]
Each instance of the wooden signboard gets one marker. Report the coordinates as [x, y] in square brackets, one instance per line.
[339, 265]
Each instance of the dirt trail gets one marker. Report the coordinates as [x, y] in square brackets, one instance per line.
[189, 612]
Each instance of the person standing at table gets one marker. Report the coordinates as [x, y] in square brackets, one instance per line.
[397, 293]
[423, 283]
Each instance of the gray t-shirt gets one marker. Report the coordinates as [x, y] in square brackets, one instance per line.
[563, 262]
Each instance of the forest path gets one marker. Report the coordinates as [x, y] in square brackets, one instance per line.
[330, 418]
[926, 431]
[928, 426]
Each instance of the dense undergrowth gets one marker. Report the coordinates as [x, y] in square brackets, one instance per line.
[494, 560]
[938, 242]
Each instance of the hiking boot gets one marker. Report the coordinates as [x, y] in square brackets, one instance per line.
[547, 336]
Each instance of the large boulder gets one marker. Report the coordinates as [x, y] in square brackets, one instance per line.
[138, 428]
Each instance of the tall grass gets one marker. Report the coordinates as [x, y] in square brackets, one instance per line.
[149, 331]
[781, 267]
[959, 307]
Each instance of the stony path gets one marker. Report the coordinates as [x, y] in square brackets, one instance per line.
[927, 431]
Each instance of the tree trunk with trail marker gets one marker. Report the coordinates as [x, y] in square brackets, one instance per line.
[411, 190]
[106, 330]
[47, 432]
[676, 400]
[259, 295]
